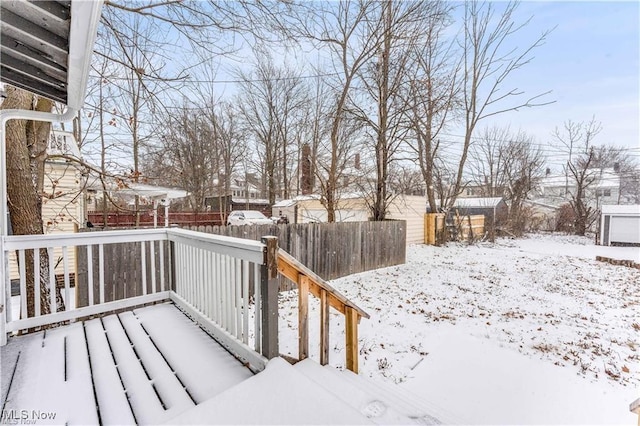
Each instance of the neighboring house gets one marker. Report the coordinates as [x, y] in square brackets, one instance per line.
[559, 189]
[244, 194]
[63, 206]
[242, 189]
[556, 190]
[478, 191]
[353, 208]
[620, 225]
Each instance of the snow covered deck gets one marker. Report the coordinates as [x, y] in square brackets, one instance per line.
[153, 364]
[142, 366]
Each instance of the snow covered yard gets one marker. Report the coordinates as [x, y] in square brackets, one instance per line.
[521, 331]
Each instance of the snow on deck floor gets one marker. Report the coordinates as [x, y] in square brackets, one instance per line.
[141, 366]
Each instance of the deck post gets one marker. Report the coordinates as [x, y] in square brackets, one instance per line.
[269, 299]
[324, 327]
[351, 336]
[303, 317]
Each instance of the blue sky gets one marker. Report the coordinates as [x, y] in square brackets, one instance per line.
[591, 63]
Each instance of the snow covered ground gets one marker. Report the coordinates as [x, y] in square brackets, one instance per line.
[533, 330]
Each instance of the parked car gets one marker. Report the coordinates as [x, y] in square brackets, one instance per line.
[248, 217]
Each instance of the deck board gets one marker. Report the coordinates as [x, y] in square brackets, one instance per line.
[145, 403]
[164, 364]
[169, 389]
[205, 367]
[40, 378]
[112, 399]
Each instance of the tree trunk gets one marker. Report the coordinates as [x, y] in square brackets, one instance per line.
[26, 143]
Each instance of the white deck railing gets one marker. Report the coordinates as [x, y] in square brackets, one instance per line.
[216, 280]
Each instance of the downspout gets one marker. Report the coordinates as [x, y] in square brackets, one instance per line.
[5, 279]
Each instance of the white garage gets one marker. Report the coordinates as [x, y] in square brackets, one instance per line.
[620, 225]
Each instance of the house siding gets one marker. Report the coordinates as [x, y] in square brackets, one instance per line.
[62, 209]
[411, 209]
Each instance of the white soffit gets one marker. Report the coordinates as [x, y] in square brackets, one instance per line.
[46, 46]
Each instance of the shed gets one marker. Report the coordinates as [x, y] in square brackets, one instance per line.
[309, 209]
[353, 208]
[620, 225]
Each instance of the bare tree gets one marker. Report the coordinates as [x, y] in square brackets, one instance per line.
[269, 102]
[432, 99]
[579, 170]
[508, 165]
[489, 60]
[351, 34]
[313, 135]
[383, 83]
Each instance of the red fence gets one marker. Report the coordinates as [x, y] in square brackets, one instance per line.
[125, 219]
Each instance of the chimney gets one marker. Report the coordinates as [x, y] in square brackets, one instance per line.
[357, 162]
[548, 171]
[616, 167]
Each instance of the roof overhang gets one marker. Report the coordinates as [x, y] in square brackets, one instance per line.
[46, 46]
[152, 192]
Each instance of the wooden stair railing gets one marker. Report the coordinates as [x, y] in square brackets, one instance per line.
[310, 283]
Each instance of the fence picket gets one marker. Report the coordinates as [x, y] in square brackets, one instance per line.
[152, 252]
[90, 274]
[245, 302]
[101, 270]
[257, 304]
[67, 281]
[52, 282]
[23, 284]
[237, 283]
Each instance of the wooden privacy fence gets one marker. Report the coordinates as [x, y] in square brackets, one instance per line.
[438, 230]
[331, 250]
[126, 269]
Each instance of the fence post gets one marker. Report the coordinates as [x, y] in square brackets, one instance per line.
[269, 292]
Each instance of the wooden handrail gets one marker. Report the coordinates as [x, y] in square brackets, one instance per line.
[291, 268]
[309, 282]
